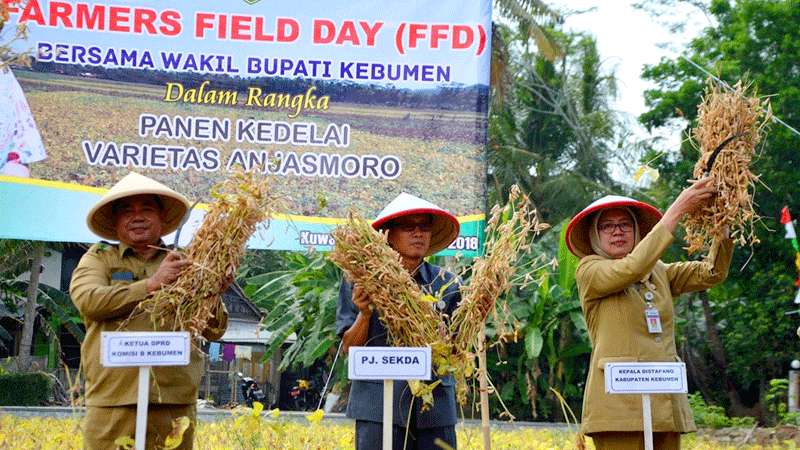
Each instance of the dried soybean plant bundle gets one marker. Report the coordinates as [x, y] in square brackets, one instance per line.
[508, 231]
[238, 204]
[730, 126]
[367, 260]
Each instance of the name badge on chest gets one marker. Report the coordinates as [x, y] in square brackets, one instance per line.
[122, 276]
[653, 320]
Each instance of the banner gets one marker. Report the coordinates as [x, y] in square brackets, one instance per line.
[343, 104]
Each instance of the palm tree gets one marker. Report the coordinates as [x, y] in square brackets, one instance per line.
[552, 136]
[530, 18]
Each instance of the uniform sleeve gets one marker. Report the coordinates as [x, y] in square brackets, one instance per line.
[599, 277]
[346, 310]
[699, 275]
[94, 295]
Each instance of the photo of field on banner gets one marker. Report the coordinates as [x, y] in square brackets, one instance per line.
[644, 379]
[389, 364]
[144, 350]
[339, 105]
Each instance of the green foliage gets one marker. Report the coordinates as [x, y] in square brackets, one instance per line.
[550, 346]
[11, 295]
[712, 416]
[301, 300]
[776, 397]
[529, 16]
[25, 389]
[552, 135]
[257, 262]
[14, 255]
[61, 312]
[57, 306]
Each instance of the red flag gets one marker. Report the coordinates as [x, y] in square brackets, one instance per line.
[785, 216]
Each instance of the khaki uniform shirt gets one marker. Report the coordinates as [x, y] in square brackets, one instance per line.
[108, 283]
[615, 315]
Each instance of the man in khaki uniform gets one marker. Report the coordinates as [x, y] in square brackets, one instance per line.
[107, 284]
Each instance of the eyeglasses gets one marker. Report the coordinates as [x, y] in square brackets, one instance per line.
[610, 227]
[410, 227]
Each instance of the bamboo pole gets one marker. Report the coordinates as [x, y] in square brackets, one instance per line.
[484, 390]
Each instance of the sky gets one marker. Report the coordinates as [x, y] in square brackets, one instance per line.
[627, 39]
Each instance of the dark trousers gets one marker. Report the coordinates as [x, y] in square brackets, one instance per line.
[369, 436]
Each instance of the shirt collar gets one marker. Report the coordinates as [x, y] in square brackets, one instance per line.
[424, 275]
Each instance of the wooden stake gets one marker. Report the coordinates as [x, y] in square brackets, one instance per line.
[388, 413]
[484, 390]
[647, 420]
[143, 401]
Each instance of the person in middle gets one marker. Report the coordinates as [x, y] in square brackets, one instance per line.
[416, 229]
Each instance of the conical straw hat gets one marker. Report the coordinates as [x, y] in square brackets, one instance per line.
[445, 225]
[101, 220]
[578, 229]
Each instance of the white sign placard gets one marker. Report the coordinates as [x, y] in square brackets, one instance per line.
[138, 348]
[389, 363]
[646, 378]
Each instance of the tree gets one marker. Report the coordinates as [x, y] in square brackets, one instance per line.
[32, 298]
[531, 18]
[26, 341]
[753, 40]
[299, 299]
[553, 135]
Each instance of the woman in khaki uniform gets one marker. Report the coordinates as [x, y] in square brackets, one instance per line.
[626, 295]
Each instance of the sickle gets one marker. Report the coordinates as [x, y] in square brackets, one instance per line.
[717, 150]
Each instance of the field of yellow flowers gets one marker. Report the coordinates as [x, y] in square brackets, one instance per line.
[249, 431]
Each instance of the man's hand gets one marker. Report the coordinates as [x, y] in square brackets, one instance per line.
[169, 270]
[362, 300]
